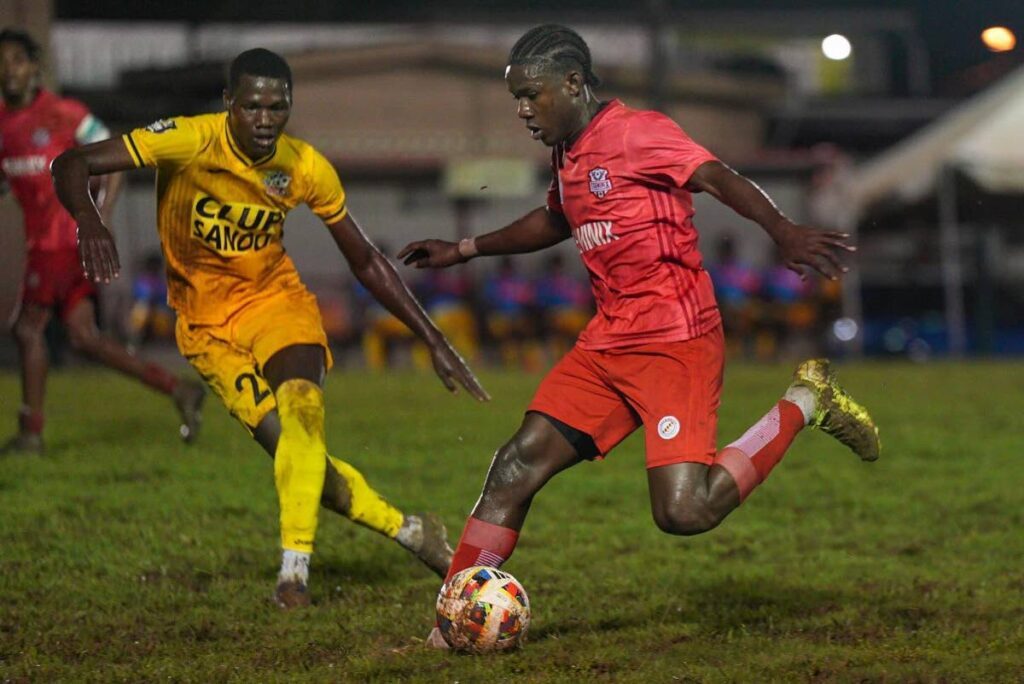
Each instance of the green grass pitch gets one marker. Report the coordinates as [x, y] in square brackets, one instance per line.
[126, 556]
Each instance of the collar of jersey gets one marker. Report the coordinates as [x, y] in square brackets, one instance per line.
[237, 151]
[591, 125]
[40, 96]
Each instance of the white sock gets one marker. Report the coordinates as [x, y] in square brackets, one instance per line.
[294, 567]
[410, 534]
[804, 398]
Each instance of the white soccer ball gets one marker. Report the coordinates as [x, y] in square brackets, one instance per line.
[483, 609]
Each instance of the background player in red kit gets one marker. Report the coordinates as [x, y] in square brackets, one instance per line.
[35, 127]
[653, 353]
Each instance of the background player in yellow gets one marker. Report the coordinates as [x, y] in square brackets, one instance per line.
[245, 321]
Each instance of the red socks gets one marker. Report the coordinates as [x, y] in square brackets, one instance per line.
[751, 457]
[29, 422]
[482, 543]
[159, 379]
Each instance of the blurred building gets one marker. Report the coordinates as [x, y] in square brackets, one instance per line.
[409, 103]
[939, 219]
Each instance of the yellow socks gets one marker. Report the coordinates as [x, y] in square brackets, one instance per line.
[361, 503]
[299, 464]
[301, 469]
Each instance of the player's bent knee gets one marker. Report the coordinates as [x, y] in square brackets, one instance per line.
[686, 519]
[511, 478]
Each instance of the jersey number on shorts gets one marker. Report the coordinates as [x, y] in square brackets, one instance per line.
[257, 394]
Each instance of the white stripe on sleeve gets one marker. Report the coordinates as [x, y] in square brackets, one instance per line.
[91, 130]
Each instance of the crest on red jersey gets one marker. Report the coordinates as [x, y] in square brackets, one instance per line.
[600, 184]
[40, 137]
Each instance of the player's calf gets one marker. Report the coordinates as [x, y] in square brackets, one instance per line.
[517, 473]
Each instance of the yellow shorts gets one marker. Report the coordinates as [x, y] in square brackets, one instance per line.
[230, 355]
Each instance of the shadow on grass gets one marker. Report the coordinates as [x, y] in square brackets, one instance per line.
[368, 572]
[103, 435]
[719, 607]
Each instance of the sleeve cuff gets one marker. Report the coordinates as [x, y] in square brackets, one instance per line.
[336, 216]
[133, 150]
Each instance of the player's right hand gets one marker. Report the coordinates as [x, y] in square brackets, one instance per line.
[431, 254]
[451, 368]
[97, 252]
[802, 246]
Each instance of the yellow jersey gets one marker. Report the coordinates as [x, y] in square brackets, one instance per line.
[221, 215]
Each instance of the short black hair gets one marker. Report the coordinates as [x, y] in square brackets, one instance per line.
[258, 62]
[554, 46]
[26, 41]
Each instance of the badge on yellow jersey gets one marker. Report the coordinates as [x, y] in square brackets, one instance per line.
[276, 183]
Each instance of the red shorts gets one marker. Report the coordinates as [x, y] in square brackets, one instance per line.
[673, 389]
[55, 279]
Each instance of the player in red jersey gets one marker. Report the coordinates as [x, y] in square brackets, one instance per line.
[653, 353]
[35, 127]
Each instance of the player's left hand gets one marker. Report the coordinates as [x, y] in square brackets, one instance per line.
[97, 251]
[431, 254]
[802, 246]
[451, 368]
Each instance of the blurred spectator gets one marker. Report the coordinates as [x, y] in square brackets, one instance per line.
[383, 333]
[150, 317]
[446, 295]
[565, 305]
[737, 288]
[509, 299]
[334, 299]
[791, 314]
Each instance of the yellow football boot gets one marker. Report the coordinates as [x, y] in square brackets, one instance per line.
[431, 544]
[835, 412]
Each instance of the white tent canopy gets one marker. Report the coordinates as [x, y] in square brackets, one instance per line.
[983, 139]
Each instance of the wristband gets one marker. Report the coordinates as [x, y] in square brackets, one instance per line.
[467, 248]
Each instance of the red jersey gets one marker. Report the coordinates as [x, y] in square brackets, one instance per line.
[30, 139]
[621, 187]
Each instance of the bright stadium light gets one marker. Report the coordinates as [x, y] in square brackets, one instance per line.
[836, 46]
[845, 329]
[998, 39]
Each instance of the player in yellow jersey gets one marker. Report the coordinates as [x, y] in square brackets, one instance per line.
[245, 321]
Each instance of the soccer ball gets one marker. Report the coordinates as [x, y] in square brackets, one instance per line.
[483, 609]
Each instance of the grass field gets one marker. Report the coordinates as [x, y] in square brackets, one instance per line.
[125, 556]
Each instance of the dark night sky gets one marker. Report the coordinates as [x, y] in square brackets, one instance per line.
[950, 27]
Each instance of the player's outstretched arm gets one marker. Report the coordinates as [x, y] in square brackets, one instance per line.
[380, 278]
[71, 173]
[800, 246]
[539, 229]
